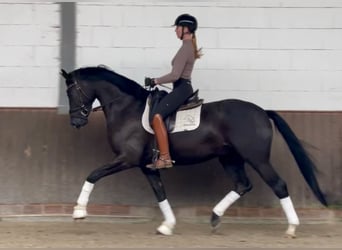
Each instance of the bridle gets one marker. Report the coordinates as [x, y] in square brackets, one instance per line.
[83, 107]
[83, 97]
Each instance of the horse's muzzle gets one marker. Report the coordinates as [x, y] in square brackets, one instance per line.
[78, 122]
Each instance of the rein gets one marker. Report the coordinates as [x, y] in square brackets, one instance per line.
[99, 108]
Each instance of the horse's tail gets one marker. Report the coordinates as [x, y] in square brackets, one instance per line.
[306, 166]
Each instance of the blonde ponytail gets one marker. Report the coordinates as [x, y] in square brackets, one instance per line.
[198, 52]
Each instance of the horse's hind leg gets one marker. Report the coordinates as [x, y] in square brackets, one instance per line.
[269, 175]
[167, 226]
[234, 167]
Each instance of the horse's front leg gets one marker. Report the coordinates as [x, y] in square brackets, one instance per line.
[80, 210]
[167, 226]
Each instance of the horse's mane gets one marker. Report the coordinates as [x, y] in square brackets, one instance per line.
[103, 73]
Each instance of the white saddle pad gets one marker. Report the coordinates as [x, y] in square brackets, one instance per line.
[186, 120]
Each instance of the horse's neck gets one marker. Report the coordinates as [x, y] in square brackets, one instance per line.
[116, 104]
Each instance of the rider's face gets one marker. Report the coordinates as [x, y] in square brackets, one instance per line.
[178, 31]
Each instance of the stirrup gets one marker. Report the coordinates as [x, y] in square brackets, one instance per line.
[163, 163]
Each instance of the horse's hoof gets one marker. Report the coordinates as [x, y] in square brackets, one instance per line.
[80, 212]
[290, 236]
[165, 229]
[215, 222]
[291, 232]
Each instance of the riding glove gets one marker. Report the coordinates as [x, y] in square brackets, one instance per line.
[149, 82]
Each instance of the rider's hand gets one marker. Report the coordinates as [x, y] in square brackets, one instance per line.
[149, 82]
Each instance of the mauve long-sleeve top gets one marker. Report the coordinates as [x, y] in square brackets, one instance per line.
[182, 64]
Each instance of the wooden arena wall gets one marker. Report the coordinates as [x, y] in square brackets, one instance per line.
[45, 161]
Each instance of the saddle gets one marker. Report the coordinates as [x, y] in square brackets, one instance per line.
[192, 102]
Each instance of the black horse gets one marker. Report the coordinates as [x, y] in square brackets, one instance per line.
[234, 131]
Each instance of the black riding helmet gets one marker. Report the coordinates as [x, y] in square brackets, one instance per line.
[186, 20]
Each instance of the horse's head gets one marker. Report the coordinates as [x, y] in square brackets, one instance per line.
[80, 98]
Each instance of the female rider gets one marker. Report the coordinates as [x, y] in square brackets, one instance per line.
[180, 76]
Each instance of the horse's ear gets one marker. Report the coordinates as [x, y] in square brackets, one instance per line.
[64, 74]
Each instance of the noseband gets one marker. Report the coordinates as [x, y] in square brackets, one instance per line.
[82, 98]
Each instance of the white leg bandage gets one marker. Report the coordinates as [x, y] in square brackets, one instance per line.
[167, 212]
[226, 202]
[85, 192]
[289, 211]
